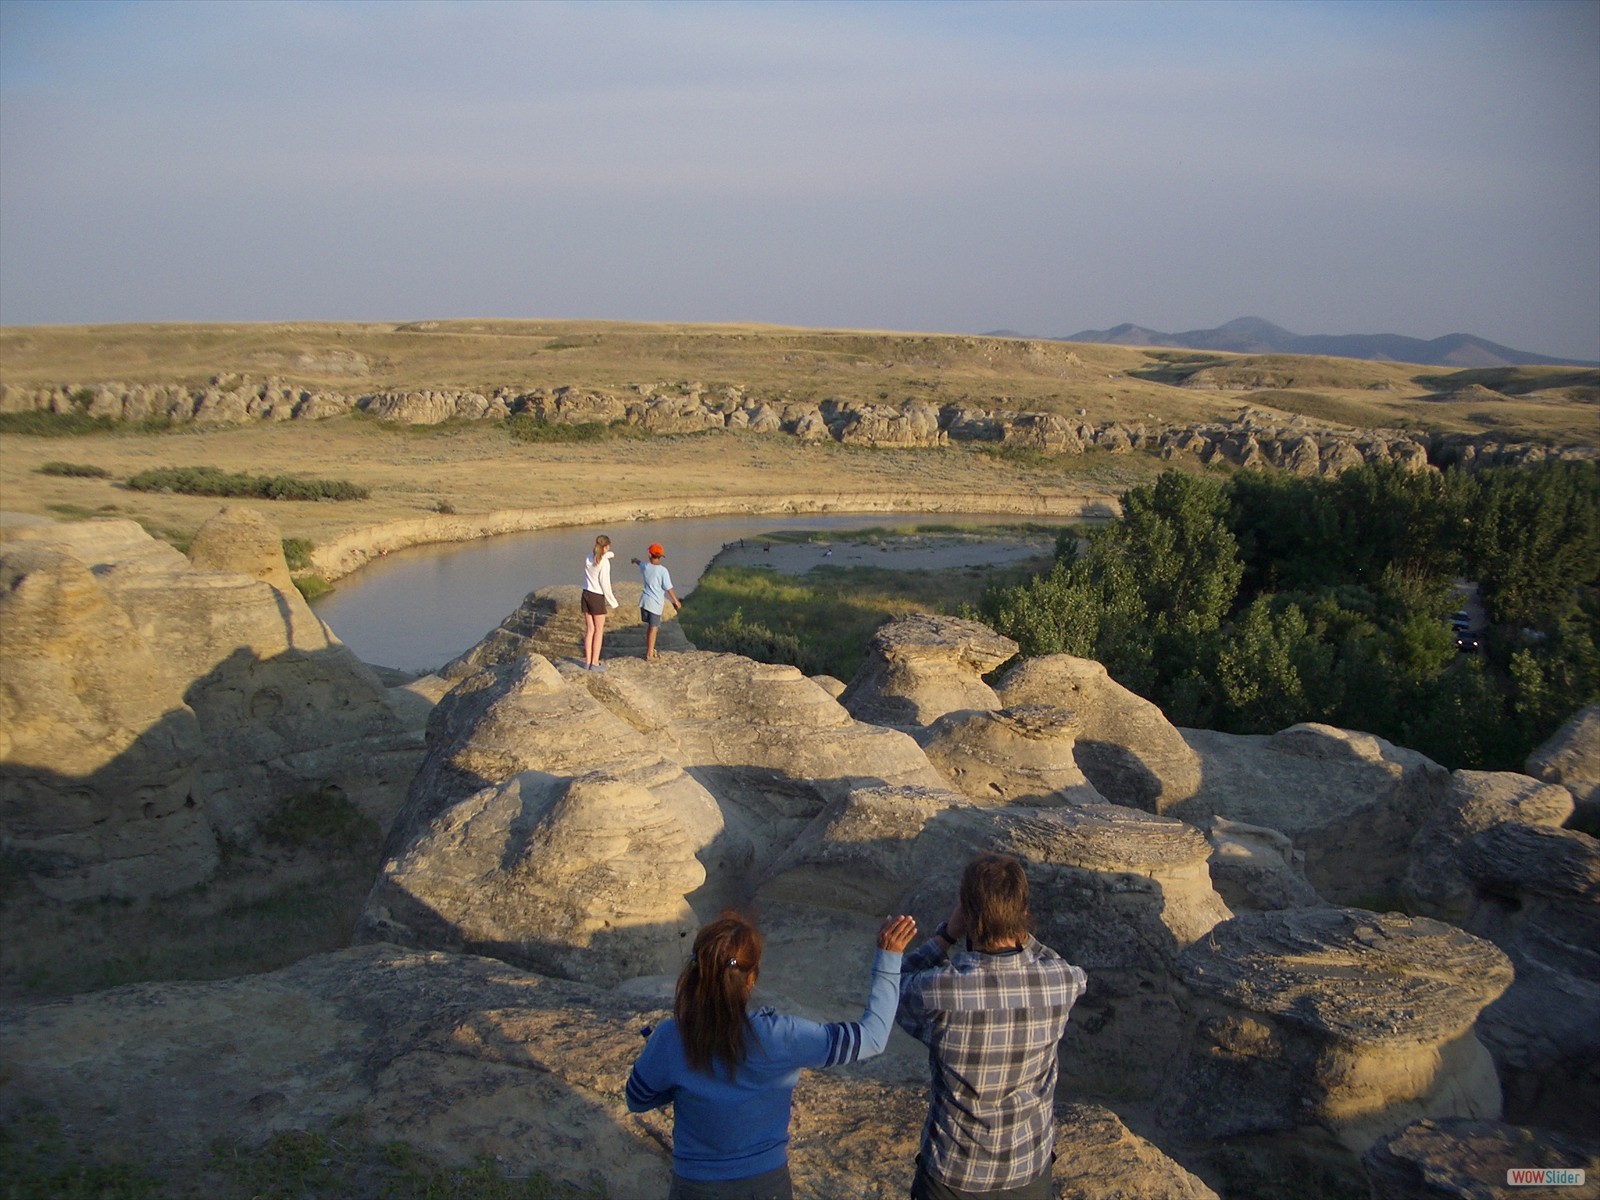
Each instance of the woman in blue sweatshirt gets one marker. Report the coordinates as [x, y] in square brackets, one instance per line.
[730, 1073]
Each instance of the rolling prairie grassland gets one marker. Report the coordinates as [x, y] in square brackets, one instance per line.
[475, 467]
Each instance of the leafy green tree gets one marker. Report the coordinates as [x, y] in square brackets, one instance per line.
[1535, 540]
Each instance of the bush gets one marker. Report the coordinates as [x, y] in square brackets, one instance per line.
[209, 481]
[74, 470]
[39, 423]
[525, 428]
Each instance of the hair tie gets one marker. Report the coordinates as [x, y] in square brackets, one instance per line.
[733, 962]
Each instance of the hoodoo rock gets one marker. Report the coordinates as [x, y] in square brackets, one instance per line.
[1571, 758]
[155, 704]
[1126, 746]
[921, 667]
[1435, 883]
[1353, 803]
[1021, 755]
[1537, 896]
[1334, 1022]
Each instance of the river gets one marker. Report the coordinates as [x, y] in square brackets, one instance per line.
[418, 608]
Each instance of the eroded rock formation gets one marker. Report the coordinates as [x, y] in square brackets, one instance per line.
[1126, 746]
[155, 704]
[921, 667]
[1334, 1022]
[462, 1056]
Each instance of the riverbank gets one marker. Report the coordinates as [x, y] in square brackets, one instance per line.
[462, 483]
[347, 553]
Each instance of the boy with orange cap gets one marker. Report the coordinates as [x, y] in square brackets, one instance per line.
[657, 589]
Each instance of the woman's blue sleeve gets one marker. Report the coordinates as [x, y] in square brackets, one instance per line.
[848, 1041]
[644, 1090]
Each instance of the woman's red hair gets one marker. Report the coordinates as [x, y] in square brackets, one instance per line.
[710, 1000]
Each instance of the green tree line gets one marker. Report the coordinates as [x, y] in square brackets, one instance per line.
[1254, 602]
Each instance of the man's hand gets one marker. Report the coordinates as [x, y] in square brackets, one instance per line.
[957, 923]
[896, 933]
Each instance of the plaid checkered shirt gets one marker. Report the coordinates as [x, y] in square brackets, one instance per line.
[991, 1023]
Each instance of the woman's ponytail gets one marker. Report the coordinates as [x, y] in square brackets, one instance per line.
[710, 1000]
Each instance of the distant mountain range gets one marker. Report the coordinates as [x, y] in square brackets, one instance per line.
[1252, 335]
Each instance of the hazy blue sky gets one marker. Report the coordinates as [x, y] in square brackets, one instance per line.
[1416, 168]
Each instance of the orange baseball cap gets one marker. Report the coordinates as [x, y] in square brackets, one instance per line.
[656, 551]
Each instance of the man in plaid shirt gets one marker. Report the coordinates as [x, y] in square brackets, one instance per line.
[991, 1016]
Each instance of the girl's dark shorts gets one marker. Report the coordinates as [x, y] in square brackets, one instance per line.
[594, 604]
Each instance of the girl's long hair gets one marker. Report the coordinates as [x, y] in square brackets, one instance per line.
[601, 545]
[710, 1001]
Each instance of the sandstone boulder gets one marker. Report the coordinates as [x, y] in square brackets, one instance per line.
[1256, 869]
[1571, 758]
[1333, 1024]
[1435, 883]
[97, 768]
[770, 744]
[1353, 803]
[1125, 744]
[921, 667]
[549, 622]
[578, 878]
[175, 704]
[1456, 1158]
[1021, 755]
[1537, 895]
[1117, 891]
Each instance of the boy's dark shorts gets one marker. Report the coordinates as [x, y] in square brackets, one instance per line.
[646, 617]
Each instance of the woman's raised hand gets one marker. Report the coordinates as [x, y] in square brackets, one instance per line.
[896, 933]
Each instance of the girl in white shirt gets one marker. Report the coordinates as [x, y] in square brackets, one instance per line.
[598, 599]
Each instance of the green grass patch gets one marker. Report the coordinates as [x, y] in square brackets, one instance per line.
[209, 481]
[73, 470]
[297, 552]
[37, 1159]
[821, 621]
[312, 587]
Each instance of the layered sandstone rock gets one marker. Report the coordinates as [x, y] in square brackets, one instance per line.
[1537, 895]
[921, 667]
[1117, 891]
[1256, 869]
[1336, 1025]
[1351, 802]
[772, 745]
[578, 878]
[1022, 755]
[1435, 883]
[1456, 1158]
[1125, 745]
[462, 1057]
[1571, 758]
[549, 622]
[158, 704]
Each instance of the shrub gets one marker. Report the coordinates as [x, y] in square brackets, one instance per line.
[74, 470]
[209, 481]
[525, 428]
[39, 423]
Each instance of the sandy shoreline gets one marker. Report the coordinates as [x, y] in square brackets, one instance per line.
[348, 552]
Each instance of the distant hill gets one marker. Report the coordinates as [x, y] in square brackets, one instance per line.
[1252, 335]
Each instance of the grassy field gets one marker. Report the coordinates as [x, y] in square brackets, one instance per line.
[822, 620]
